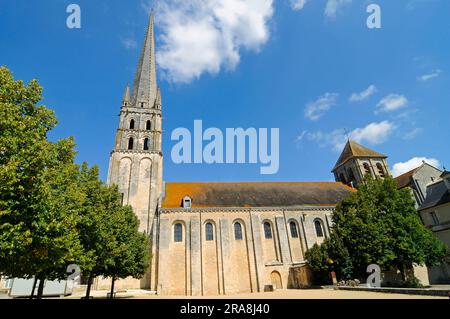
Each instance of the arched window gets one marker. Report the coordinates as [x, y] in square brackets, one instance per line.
[148, 126]
[142, 104]
[238, 231]
[351, 175]
[130, 143]
[146, 144]
[380, 170]
[319, 228]
[294, 231]
[178, 233]
[267, 230]
[209, 232]
[366, 168]
[132, 125]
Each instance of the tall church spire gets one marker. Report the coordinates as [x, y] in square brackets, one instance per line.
[144, 85]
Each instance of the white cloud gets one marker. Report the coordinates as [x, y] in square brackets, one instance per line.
[128, 43]
[317, 109]
[392, 102]
[297, 4]
[205, 36]
[357, 97]
[333, 6]
[432, 75]
[373, 134]
[403, 167]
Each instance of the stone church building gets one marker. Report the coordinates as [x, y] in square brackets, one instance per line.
[219, 238]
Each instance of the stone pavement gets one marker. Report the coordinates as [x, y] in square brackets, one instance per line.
[280, 294]
[3, 296]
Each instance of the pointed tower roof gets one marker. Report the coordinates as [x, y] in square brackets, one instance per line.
[126, 95]
[352, 150]
[144, 85]
[158, 98]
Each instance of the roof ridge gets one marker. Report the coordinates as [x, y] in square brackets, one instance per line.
[256, 182]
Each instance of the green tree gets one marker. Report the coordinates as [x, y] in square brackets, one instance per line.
[93, 227]
[39, 208]
[320, 264]
[130, 254]
[109, 232]
[332, 255]
[380, 225]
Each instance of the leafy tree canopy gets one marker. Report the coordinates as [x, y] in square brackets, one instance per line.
[380, 225]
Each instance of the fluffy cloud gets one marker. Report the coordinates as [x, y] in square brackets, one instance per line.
[205, 36]
[392, 102]
[333, 6]
[357, 97]
[297, 4]
[432, 75]
[317, 109]
[403, 167]
[373, 134]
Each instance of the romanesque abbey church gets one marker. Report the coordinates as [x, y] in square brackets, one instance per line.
[219, 238]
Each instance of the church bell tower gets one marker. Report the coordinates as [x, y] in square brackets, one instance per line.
[136, 163]
[356, 161]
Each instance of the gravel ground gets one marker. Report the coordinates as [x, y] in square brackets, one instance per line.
[280, 294]
[3, 296]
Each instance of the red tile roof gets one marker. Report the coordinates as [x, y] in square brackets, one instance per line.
[264, 194]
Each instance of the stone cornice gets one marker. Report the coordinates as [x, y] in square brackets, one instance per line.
[243, 209]
[136, 152]
[136, 110]
[138, 131]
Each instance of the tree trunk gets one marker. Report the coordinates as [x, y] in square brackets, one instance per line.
[34, 288]
[111, 296]
[402, 272]
[41, 288]
[89, 284]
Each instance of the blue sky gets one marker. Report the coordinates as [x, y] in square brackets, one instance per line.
[276, 66]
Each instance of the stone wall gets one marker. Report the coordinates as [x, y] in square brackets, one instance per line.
[230, 264]
[439, 274]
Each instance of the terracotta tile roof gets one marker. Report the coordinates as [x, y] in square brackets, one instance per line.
[256, 194]
[404, 179]
[353, 149]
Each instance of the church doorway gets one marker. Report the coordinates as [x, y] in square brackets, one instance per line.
[275, 277]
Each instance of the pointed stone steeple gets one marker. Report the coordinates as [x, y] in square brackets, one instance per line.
[126, 97]
[158, 102]
[144, 85]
